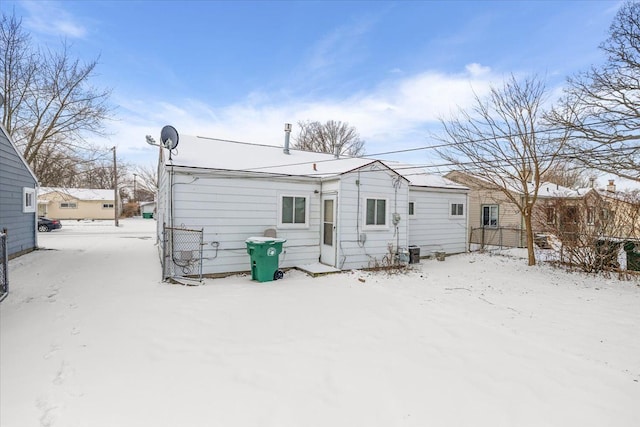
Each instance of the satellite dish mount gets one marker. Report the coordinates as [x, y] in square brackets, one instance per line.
[168, 139]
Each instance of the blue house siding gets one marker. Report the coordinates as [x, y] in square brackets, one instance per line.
[14, 177]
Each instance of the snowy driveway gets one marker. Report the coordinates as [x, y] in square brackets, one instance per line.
[90, 337]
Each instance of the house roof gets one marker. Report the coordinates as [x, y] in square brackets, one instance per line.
[546, 189]
[549, 189]
[80, 193]
[210, 153]
[15, 148]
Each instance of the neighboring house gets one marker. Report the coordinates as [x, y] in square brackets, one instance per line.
[622, 209]
[76, 203]
[18, 206]
[346, 213]
[494, 219]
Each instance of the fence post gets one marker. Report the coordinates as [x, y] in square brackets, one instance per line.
[164, 252]
[4, 280]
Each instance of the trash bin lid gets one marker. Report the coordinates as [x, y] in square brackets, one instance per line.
[261, 239]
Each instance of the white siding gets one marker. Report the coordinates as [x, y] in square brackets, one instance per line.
[432, 228]
[371, 182]
[230, 209]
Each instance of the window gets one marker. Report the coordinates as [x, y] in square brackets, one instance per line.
[68, 205]
[107, 206]
[412, 208]
[457, 209]
[571, 215]
[293, 211]
[376, 212]
[591, 215]
[490, 216]
[551, 215]
[28, 200]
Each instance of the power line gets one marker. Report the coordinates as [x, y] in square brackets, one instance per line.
[407, 150]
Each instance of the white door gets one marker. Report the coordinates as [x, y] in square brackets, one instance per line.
[328, 243]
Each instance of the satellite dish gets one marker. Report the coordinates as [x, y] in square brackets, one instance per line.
[169, 137]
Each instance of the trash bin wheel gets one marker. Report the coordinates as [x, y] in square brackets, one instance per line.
[279, 274]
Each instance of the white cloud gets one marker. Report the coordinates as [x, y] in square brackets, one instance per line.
[477, 70]
[51, 19]
[397, 114]
[338, 45]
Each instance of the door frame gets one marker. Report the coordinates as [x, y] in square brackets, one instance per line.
[329, 254]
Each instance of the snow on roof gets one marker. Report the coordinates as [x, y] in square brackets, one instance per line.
[421, 178]
[546, 189]
[549, 189]
[80, 193]
[210, 153]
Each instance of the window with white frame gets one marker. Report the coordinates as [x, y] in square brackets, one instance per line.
[376, 213]
[68, 205]
[412, 208]
[456, 210]
[294, 211]
[107, 206]
[28, 200]
[490, 216]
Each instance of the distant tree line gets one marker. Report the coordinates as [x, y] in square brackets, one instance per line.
[50, 108]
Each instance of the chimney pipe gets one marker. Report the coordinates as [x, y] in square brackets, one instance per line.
[287, 133]
[611, 188]
[592, 182]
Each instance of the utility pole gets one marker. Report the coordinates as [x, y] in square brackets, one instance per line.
[115, 187]
[135, 195]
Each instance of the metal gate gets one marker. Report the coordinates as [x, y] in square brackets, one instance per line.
[182, 253]
[4, 265]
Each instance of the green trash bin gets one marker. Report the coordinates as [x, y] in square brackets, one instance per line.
[264, 253]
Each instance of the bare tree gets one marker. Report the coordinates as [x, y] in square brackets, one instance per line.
[504, 141]
[333, 137]
[601, 107]
[567, 174]
[589, 232]
[50, 106]
[147, 178]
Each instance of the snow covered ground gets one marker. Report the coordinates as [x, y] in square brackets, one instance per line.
[91, 337]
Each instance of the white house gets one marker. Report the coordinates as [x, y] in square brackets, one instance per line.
[438, 219]
[346, 213]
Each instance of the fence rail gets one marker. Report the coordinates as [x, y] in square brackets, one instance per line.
[4, 266]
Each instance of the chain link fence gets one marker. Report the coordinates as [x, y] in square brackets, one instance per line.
[182, 253]
[4, 266]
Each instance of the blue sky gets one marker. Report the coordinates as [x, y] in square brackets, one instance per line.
[240, 70]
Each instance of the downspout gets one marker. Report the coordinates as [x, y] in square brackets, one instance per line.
[320, 237]
[171, 178]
